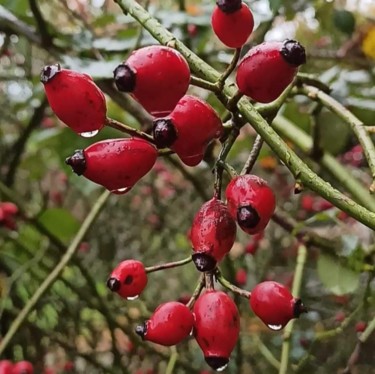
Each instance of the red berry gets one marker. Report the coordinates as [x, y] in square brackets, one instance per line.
[241, 277]
[216, 327]
[116, 164]
[128, 279]
[232, 25]
[8, 211]
[274, 304]
[69, 366]
[170, 323]
[267, 69]
[8, 208]
[360, 326]
[75, 99]
[23, 367]
[188, 129]
[307, 203]
[340, 316]
[6, 367]
[156, 76]
[251, 202]
[212, 234]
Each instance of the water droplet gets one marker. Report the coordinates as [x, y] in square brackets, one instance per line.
[275, 327]
[222, 367]
[89, 134]
[132, 297]
[121, 191]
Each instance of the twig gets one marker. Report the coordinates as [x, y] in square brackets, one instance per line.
[168, 265]
[46, 38]
[316, 151]
[17, 150]
[197, 291]
[340, 173]
[253, 156]
[172, 361]
[357, 126]
[325, 335]
[225, 283]
[202, 83]
[363, 337]
[128, 129]
[53, 276]
[228, 71]
[296, 288]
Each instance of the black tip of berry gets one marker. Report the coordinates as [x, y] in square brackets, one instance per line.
[298, 308]
[164, 132]
[203, 261]
[217, 363]
[247, 217]
[229, 6]
[293, 52]
[77, 161]
[48, 72]
[141, 330]
[124, 78]
[113, 284]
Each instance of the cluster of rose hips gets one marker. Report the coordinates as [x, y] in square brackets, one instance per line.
[21, 367]
[158, 77]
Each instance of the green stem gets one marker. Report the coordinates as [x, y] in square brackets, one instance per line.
[172, 361]
[357, 126]
[202, 83]
[253, 156]
[197, 291]
[296, 288]
[168, 265]
[220, 83]
[285, 154]
[225, 283]
[55, 273]
[128, 129]
[328, 162]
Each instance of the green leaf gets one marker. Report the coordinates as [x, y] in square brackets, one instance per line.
[344, 21]
[337, 278]
[60, 222]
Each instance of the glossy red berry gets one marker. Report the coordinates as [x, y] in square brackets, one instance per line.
[340, 316]
[188, 129]
[128, 279]
[216, 327]
[116, 164]
[273, 303]
[6, 367]
[156, 76]
[170, 323]
[23, 367]
[212, 234]
[232, 22]
[75, 99]
[251, 202]
[267, 69]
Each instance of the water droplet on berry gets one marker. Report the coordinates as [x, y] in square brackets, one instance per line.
[132, 297]
[121, 191]
[89, 134]
[275, 327]
[222, 368]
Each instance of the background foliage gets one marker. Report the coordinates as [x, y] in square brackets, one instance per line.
[78, 320]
